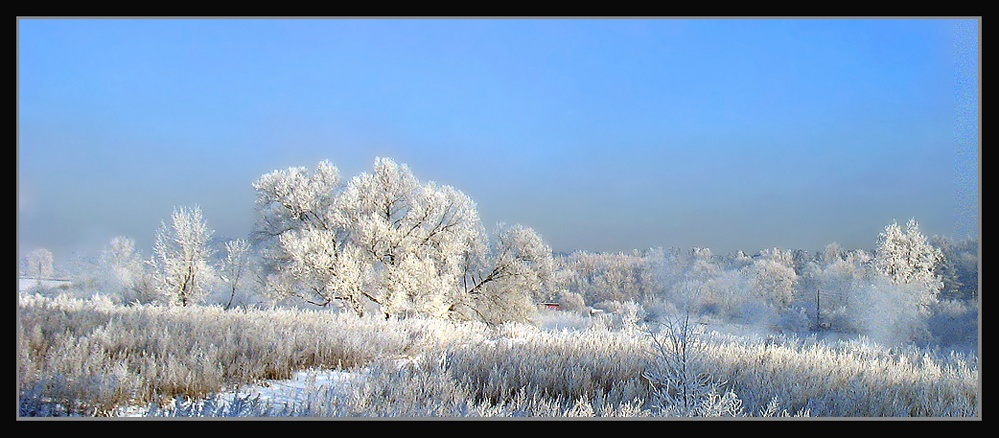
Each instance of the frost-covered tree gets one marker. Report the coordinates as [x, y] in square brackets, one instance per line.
[321, 269]
[40, 263]
[832, 252]
[120, 259]
[504, 282]
[613, 276]
[181, 253]
[385, 240]
[889, 312]
[774, 279]
[680, 386]
[571, 302]
[654, 274]
[125, 273]
[740, 260]
[958, 267]
[234, 266]
[730, 296]
[703, 265]
[303, 241]
[414, 236]
[851, 294]
[907, 257]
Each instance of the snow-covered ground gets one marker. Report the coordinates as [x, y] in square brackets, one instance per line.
[300, 385]
[279, 392]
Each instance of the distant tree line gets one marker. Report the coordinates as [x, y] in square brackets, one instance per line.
[384, 243]
[892, 294]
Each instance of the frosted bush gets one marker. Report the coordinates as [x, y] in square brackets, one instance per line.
[621, 315]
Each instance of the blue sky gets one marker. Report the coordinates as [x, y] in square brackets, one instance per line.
[601, 134]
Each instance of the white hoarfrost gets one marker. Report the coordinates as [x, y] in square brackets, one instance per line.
[385, 239]
[235, 266]
[907, 257]
[181, 253]
[774, 278]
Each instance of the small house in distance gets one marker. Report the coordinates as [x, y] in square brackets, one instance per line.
[551, 306]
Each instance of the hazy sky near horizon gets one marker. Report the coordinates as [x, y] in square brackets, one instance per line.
[601, 134]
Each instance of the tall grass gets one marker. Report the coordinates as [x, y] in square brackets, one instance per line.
[565, 365]
[90, 358]
[86, 357]
[855, 378]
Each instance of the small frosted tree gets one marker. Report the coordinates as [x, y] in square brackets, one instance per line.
[958, 269]
[732, 297]
[120, 259]
[571, 302]
[774, 279]
[181, 255]
[907, 257]
[40, 263]
[125, 272]
[680, 386]
[234, 266]
[832, 253]
[653, 274]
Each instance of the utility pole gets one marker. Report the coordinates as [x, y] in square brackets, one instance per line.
[818, 316]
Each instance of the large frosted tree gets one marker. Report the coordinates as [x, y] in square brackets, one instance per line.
[385, 240]
[302, 239]
[181, 254]
[503, 281]
[412, 235]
